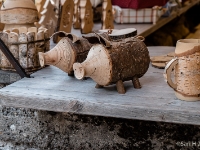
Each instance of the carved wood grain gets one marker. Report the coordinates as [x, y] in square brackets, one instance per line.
[107, 15]
[39, 46]
[65, 23]
[23, 50]
[4, 61]
[86, 15]
[31, 54]
[14, 49]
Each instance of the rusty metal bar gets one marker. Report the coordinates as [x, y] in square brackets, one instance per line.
[12, 60]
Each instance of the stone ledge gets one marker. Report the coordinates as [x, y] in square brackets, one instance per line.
[29, 129]
[8, 77]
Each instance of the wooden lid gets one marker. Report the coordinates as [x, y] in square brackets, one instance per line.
[12, 4]
[120, 34]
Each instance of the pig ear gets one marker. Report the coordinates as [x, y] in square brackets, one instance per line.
[73, 37]
[104, 41]
[95, 38]
[92, 38]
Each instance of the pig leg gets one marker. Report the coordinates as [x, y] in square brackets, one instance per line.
[136, 83]
[98, 86]
[120, 87]
[71, 73]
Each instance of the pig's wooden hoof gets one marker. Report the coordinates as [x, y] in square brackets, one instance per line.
[71, 73]
[85, 78]
[98, 86]
[120, 87]
[136, 83]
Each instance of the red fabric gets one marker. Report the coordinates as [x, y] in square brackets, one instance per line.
[121, 3]
[137, 4]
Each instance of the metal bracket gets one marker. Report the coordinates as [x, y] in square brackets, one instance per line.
[12, 60]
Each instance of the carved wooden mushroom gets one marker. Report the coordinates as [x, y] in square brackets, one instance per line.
[20, 35]
[114, 62]
[70, 49]
[18, 13]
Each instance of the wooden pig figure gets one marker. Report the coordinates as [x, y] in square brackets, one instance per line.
[114, 62]
[70, 49]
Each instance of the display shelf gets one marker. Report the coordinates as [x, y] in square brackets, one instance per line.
[53, 90]
[147, 29]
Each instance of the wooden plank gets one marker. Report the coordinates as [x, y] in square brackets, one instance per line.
[162, 21]
[53, 90]
[23, 49]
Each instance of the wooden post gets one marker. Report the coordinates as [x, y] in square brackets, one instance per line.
[107, 15]
[46, 36]
[86, 15]
[15, 30]
[31, 54]
[23, 50]
[4, 61]
[39, 46]
[23, 30]
[47, 42]
[14, 49]
[35, 30]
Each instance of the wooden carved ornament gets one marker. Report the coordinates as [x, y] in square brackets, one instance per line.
[76, 20]
[70, 49]
[114, 62]
[86, 15]
[107, 15]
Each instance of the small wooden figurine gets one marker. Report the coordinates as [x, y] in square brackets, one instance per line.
[107, 15]
[48, 17]
[76, 20]
[39, 5]
[114, 62]
[70, 49]
[65, 21]
[86, 16]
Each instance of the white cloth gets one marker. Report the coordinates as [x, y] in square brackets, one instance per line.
[95, 2]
